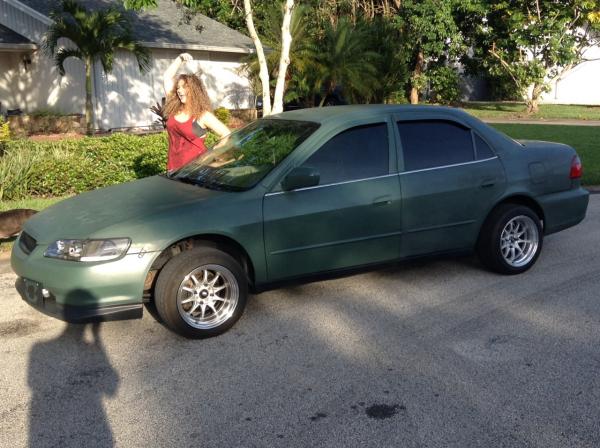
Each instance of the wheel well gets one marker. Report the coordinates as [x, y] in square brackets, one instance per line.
[220, 242]
[519, 200]
[527, 202]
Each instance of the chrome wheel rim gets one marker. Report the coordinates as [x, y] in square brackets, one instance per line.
[519, 241]
[207, 296]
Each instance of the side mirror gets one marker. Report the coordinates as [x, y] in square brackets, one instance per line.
[300, 177]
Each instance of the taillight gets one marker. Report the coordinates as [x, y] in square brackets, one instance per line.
[576, 168]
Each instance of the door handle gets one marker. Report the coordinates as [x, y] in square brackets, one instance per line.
[487, 183]
[382, 200]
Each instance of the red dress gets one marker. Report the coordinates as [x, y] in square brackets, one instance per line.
[184, 144]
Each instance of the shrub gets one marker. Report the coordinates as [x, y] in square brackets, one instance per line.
[69, 166]
[4, 133]
[502, 88]
[223, 114]
[75, 165]
[211, 139]
[444, 83]
[397, 97]
[17, 168]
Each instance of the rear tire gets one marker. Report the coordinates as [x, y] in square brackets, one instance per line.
[201, 293]
[511, 239]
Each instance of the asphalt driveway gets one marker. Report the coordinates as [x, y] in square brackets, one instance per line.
[432, 353]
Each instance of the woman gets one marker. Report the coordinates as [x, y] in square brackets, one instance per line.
[189, 115]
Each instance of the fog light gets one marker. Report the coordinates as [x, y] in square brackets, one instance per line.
[45, 293]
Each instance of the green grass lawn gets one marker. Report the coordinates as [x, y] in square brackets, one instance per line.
[34, 203]
[585, 140]
[510, 110]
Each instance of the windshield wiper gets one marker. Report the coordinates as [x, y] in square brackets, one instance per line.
[204, 183]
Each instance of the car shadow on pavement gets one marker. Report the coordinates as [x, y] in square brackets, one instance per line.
[69, 376]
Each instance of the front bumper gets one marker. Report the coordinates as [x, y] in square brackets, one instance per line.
[31, 292]
[82, 292]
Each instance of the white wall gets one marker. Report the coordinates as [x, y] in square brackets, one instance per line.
[581, 85]
[39, 87]
[124, 97]
[220, 72]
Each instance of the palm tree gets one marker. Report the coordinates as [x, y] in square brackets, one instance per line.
[346, 62]
[95, 36]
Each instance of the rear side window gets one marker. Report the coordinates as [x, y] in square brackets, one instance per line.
[434, 143]
[357, 153]
[483, 149]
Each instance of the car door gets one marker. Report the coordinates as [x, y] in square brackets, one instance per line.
[449, 177]
[351, 218]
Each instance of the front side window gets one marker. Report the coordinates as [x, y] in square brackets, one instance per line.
[434, 143]
[357, 153]
[240, 160]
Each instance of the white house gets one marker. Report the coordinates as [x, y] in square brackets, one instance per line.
[29, 80]
[581, 85]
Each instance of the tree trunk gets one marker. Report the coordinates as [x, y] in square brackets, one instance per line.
[414, 96]
[417, 72]
[284, 58]
[533, 102]
[89, 107]
[262, 61]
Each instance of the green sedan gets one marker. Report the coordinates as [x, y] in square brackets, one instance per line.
[293, 195]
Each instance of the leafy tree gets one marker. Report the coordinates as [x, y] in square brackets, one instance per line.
[345, 61]
[93, 35]
[534, 42]
[430, 34]
[386, 40]
[332, 10]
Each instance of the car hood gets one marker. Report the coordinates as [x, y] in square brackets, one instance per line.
[88, 213]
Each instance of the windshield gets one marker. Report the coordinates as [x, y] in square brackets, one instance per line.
[240, 160]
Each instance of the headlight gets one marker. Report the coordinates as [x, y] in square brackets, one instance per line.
[88, 250]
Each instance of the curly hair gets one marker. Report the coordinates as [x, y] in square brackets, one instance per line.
[197, 99]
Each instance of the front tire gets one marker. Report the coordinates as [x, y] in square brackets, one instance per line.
[201, 292]
[511, 239]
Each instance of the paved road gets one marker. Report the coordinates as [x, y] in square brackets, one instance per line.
[428, 354]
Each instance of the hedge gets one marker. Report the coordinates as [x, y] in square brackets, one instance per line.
[74, 165]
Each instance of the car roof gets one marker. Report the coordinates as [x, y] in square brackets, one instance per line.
[334, 113]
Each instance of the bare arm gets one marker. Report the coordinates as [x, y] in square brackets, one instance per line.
[169, 75]
[208, 120]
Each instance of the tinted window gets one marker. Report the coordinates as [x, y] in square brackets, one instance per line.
[357, 153]
[483, 149]
[427, 144]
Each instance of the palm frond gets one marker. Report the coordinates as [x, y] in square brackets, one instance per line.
[107, 60]
[63, 54]
[95, 34]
